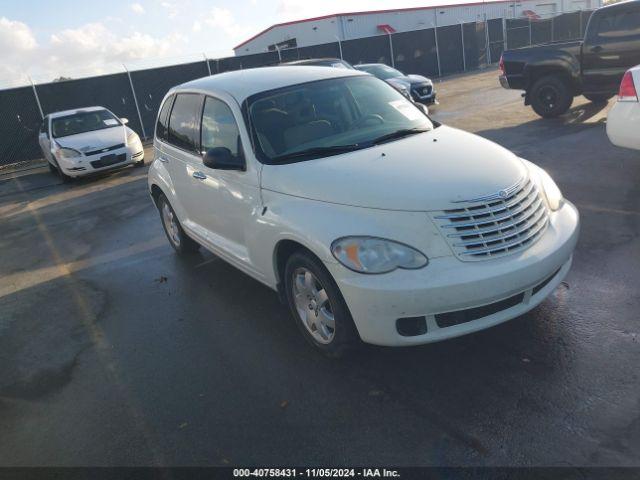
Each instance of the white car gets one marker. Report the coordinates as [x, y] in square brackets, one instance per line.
[623, 121]
[372, 222]
[88, 140]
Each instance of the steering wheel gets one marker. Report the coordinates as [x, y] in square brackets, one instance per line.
[369, 119]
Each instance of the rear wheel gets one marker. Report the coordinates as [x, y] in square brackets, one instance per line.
[180, 241]
[550, 96]
[598, 97]
[52, 168]
[317, 306]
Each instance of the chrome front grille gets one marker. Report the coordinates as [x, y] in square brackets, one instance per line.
[499, 225]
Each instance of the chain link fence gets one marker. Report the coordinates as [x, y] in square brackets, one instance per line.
[136, 94]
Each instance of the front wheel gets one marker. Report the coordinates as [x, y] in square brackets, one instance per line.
[317, 306]
[598, 97]
[550, 96]
[180, 241]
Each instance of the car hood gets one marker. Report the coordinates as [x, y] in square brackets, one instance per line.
[427, 171]
[417, 79]
[95, 140]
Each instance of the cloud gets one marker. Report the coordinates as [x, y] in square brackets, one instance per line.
[224, 20]
[18, 45]
[90, 49]
[137, 8]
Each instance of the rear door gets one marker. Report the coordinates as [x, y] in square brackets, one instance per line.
[611, 47]
[181, 152]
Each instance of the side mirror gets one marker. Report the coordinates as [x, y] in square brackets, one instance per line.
[221, 158]
[422, 107]
[124, 120]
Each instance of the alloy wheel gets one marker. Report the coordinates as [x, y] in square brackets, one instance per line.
[313, 305]
[171, 224]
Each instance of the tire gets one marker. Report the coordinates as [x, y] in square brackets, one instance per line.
[65, 178]
[550, 96]
[180, 241]
[139, 164]
[598, 97]
[52, 168]
[325, 321]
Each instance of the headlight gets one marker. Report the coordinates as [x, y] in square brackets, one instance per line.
[551, 190]
[132, 137]
[67, 153]
[376, 255]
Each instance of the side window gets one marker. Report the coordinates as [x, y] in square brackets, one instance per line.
[618, 25]
[162, 130]
[219, 128]
[184, 127]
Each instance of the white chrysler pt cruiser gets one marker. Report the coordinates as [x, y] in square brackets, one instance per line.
[370, 220]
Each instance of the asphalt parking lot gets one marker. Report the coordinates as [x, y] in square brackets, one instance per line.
[114, 351]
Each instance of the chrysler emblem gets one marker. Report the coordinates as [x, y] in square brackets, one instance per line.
[503, 193]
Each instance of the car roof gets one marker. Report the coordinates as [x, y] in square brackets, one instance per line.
[64, 113]
[371, 65]
[241, 84]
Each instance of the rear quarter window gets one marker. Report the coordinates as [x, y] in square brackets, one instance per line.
[162, 126]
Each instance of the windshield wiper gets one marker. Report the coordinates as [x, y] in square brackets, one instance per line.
[404, 132]
[318, 151]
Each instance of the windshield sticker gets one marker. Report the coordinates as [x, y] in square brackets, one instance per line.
[110, 121]
[406, 109]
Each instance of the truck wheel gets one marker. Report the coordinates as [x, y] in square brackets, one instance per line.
[550, 96]
[317, 306]
[598, 97]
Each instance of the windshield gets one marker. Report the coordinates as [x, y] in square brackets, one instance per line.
[83, 122]
[381, 71]
[328, 117]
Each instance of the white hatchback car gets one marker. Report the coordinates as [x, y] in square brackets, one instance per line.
[372, 221]
[623, 120]
[88, 140]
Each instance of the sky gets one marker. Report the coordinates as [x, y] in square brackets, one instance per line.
[47, 39]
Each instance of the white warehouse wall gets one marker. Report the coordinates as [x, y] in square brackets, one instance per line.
[346, 27]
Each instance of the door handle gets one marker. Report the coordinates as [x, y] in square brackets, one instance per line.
[199, 175]
[596, 49]
[163, 159]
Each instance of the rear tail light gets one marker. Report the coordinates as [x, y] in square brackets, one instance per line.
[627, 91]
[501, 65]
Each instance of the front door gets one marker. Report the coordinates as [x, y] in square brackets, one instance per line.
[227, 200]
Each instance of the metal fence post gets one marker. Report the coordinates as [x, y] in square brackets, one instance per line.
[552, 34]
[35, 94]
[530, 36]
[135, 100]
[393, 63]
[339, 47]
[206, 60]
[504, 34]
[486, 31]
[464, 55]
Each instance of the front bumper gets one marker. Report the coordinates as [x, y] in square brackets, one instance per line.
[86, 165]
[448, 284]
[425, 98]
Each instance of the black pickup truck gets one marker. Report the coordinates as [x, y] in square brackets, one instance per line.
[552, 74]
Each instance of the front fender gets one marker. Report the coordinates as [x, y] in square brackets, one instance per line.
[315, 225]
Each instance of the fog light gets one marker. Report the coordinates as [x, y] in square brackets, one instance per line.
[411, 326]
